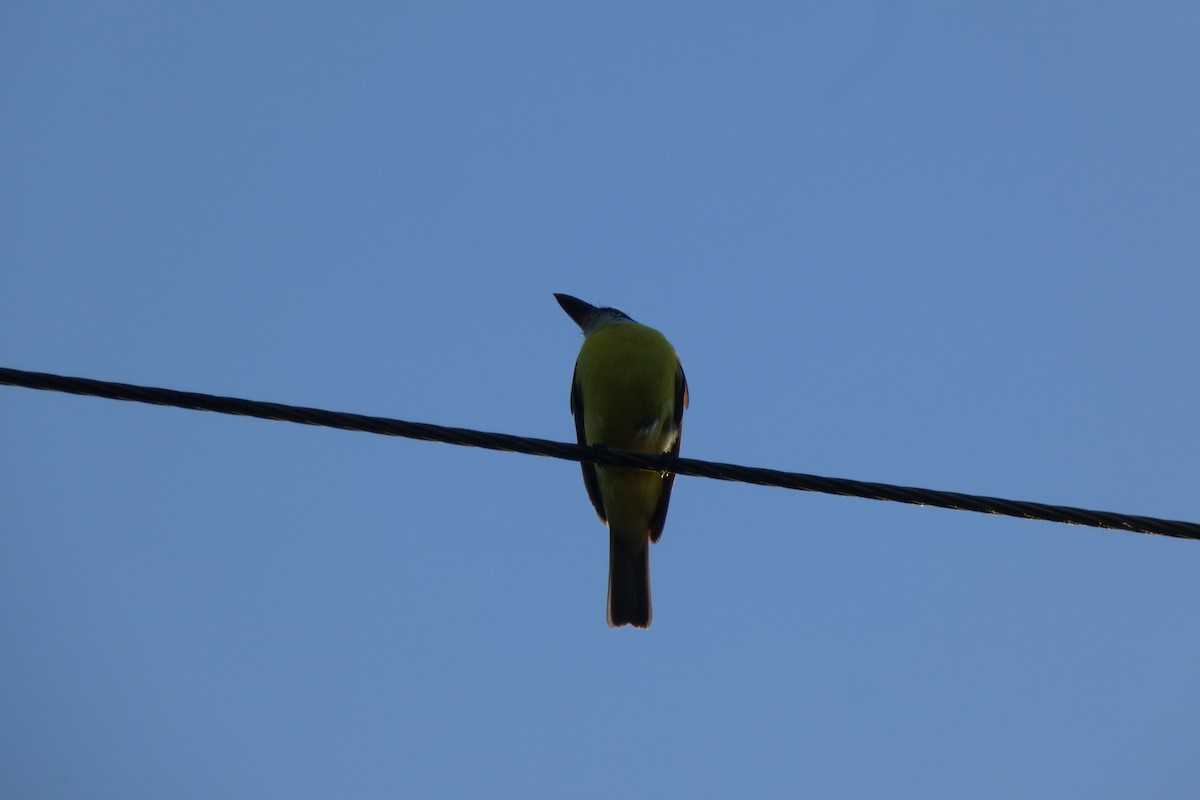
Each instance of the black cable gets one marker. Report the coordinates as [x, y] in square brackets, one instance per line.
[617, 458]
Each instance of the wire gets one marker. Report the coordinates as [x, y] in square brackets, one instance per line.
[598, 455]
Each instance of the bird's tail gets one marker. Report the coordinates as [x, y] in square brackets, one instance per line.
[628, 585]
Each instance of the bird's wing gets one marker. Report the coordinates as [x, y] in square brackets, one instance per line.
[589, 469]
[660, 512]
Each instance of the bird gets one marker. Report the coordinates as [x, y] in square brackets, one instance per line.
[628, 392]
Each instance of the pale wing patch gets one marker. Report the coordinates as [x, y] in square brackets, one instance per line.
[657, 435]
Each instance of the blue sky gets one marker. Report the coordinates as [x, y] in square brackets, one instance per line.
[930, 244]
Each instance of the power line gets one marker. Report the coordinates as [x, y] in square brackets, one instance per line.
[571, 452]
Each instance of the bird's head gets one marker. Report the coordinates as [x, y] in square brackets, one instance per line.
[589, 317]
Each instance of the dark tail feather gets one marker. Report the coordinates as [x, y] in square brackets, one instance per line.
[628, 585]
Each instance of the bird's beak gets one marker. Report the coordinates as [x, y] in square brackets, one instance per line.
[576, 309]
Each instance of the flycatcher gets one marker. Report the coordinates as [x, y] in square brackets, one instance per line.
[628, 393]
